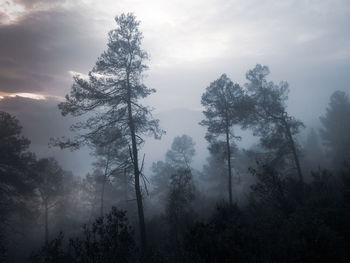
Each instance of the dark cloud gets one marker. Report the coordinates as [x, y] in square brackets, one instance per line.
[32, 3]
[38, 51]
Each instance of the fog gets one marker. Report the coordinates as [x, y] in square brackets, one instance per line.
[248, 119]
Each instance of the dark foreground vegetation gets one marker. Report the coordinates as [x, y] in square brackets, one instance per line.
[283, 221]
[285, 199]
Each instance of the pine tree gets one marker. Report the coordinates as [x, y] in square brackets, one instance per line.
[223, 102]
[110, 96]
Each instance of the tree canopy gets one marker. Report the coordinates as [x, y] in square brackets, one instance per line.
[111, 93]
[223, 103]
[336, 128]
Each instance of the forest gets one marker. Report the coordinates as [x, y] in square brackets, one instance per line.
[286, 198]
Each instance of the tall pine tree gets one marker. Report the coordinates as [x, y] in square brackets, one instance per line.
[110, 98]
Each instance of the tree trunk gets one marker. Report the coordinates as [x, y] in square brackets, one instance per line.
[229, 166]
[125, 186]
[294, 151]
[104, 184]
[46, 222]
[102, 193]
[136, 172]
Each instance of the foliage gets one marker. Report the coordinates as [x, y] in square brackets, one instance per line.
[111, 86]
[224, 104]
[181, 153]
[49, 179]
[313, 153]
[53, 252]
[179, 211]
[111, 94]
[107, 239]
[282, 223]
[269, 119]
[219, 240]
[16, 176]
[336, 128]
[283, 218]
[178, 157]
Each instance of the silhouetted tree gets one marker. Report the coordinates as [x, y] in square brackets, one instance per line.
[52, 252]
[179, 156]
[179, 209]
[336, 128]
[313, 154]
[113, 160]
[117, 190]
[16, 177]
[223, 109]
[219, 240]
[73, 202]
[111, 94]
[215, 171]
[16, 182]
[49, 186]
[269, 118]
[160, 180]
[108, 239]
[214, 174]
[181, 153]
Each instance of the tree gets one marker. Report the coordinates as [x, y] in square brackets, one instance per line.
[178, 157]
[108, 239]
[112, 159]
[215, 171]
[49, 186]
[52, 252]
[219, 240]
[269, 118]
[181, 153]
[16, 180]
[313, 153]
[16, 176]
[223, 102]
[179, 208]
[336, 128]
[160, 180]
[111, 95]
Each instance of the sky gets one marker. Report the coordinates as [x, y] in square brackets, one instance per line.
[190, 42]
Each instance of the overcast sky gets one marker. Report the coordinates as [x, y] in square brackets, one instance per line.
[190, 42]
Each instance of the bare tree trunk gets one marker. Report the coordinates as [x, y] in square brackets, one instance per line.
[294, 151]
[46, 222]
[136, 172]
[229, 166]
[102, 194]
[125, 185]
[104, 184]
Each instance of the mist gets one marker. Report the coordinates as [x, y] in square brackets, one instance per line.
[174, 132]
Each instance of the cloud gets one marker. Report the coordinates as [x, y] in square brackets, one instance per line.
[32, 3]
[37, 52]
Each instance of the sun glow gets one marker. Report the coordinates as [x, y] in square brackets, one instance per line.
[27, 95]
